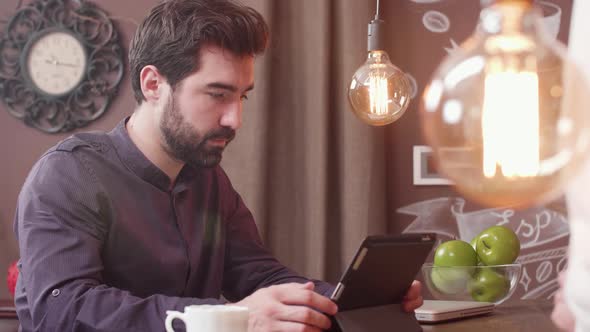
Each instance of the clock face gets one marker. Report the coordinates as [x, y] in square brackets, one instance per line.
[56, 62]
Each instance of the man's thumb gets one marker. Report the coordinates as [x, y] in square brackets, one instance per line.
[308, 285]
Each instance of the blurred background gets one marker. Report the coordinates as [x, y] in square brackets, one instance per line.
[316, 178]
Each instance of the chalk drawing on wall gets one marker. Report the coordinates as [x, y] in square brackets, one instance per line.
[534, 227]
[546, 291]
[454, 47]
[537, 228]
[525, 280]
[430, 213]
[436, 21]
[544, 266]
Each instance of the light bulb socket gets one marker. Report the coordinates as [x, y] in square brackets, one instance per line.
[375, 37]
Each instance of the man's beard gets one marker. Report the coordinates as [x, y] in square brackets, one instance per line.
[184, 143]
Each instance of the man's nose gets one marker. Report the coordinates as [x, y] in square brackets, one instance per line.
[232, 117]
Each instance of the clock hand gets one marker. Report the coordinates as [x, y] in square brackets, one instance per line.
[56, 62]
[66, 64]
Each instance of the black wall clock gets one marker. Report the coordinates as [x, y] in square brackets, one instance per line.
[61, 63]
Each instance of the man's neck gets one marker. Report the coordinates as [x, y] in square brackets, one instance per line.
[142, 131]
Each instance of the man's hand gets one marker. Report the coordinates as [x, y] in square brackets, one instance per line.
[288, 307]
[413, 298]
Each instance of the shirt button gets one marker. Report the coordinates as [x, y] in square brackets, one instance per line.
[55, 292]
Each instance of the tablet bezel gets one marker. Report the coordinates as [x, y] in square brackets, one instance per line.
[382, 270]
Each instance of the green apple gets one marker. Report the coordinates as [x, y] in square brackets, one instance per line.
[473, 243]
[455, 253]
[488, 285]
[450, 280]
[497, 245]
[453, 266]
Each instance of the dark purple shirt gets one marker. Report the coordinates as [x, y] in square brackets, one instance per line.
[107, 244]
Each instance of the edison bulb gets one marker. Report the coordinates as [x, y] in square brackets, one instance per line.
[379, 92]
[507, 113]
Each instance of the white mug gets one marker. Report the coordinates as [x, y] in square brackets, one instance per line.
[210, 318]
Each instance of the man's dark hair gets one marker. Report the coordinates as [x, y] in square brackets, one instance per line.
[172, 35]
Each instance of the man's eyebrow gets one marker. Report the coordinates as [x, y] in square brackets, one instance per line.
[228, 87]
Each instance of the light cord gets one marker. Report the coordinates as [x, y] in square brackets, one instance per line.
[377, 11]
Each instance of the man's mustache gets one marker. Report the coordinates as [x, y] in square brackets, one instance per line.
[227, 134]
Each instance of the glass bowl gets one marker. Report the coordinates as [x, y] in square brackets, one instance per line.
[493, 283]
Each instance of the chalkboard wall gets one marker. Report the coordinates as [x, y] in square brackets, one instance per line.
[425, 34]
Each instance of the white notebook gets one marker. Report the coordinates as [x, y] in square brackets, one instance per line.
[433, 311]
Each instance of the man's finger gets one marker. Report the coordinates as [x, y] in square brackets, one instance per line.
[414, 291]
[309, 298]
[411, 305]
[303, 295]
[308, 285]
[304, 315]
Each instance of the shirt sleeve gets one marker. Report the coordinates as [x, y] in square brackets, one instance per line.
[61, 221]
[249, 266]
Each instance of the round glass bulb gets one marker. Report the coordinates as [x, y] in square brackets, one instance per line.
[507, 113]
[379, 92]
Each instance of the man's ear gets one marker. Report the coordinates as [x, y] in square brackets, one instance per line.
[151, 83]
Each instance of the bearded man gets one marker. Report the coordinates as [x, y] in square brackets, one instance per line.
[116, 228]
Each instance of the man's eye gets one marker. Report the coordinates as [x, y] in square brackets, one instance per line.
[244, 97]
[217, 95]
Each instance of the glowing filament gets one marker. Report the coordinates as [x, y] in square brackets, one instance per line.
[510, 124]
[378, 94]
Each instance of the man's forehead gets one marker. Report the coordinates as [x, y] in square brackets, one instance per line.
[229, 87]
[211, 53]
[220, 68]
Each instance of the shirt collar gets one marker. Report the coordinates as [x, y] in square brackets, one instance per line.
[138, 163]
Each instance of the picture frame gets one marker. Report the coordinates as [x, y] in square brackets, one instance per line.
[424, 172]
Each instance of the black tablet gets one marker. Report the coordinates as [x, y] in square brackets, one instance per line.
[382, 270]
